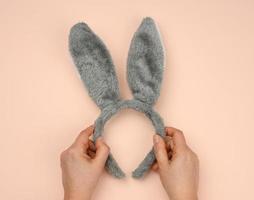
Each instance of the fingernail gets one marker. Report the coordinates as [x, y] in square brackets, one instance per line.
[156, 138]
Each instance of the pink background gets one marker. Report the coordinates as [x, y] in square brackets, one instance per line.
[207, 91]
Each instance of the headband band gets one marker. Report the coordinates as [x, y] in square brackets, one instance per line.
[111, 165]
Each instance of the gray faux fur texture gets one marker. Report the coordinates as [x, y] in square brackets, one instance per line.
[144, 70]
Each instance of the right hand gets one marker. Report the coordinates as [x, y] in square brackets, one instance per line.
[177, 164]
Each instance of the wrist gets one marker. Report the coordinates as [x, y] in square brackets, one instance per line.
[75, 196]
[186, 197]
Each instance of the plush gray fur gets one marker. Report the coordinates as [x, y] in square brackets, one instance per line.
[145, 63]
[94, 64]
[145, 69]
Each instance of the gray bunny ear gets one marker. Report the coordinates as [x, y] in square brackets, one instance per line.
[145, 63]
[94, 65]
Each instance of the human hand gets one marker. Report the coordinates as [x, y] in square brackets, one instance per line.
[177, 164]
[82, 165]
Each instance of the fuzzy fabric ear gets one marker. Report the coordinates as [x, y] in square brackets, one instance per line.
[94, 65]
[145, 63]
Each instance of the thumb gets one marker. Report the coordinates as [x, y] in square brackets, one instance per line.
[160, 152]
[102, 151]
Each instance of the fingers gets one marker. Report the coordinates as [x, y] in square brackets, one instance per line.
[82, 141]
[169, 145]
[91, 151]
[102, 151]
[177, 138]
[160, 151]
[155, 166]
[92, 147]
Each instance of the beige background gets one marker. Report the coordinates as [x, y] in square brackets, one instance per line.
[207, 91]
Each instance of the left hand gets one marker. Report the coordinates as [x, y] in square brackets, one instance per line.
[82, 165]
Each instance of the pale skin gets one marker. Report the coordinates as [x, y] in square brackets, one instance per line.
[177, 165]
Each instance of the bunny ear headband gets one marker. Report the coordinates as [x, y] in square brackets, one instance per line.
[144, 70]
